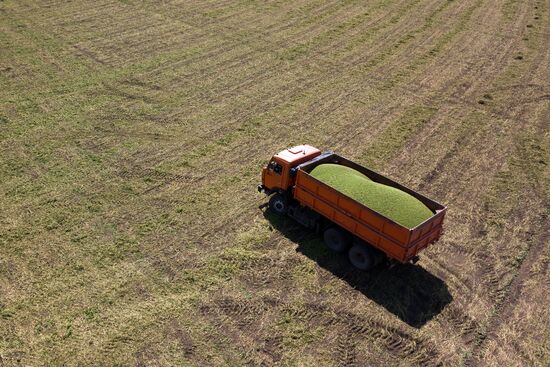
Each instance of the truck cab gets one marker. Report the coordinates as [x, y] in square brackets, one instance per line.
[277, 176]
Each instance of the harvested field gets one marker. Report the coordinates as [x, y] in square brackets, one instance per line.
[132, 134]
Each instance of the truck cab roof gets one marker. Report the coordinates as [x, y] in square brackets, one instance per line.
[298, 154]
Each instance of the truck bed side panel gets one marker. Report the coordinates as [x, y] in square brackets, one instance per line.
[348, 214]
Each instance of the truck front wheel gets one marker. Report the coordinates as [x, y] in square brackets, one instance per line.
[279, 204]
[336, 239]
[361, 257]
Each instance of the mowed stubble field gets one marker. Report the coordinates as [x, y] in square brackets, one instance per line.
[132, 134]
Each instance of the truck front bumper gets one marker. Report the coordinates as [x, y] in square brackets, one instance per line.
[262, 188]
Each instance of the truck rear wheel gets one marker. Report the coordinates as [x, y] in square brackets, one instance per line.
[362, 257]
[279, 204]
[337, 239]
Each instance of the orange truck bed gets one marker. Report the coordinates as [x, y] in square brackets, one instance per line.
[398, 242]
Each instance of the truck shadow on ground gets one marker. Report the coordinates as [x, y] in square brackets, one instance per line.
[408, 291]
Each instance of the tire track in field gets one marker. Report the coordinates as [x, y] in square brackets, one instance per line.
[506, 116]
[258, 318]
[346, 355]
[420, 139]
[506, 293]
[227, 42]
[397, 31]
[378, 112]
[441, 93]
[403, 38]
[165, 178]
[215, 67]
[470, 330]
[363, 23]
[118, 25]
[458, 320]
[52, 9]
[534, 64]
[241, 59]
[123, 27]
[474, 144]
[238, 59]
[382, 79]
[483, 76]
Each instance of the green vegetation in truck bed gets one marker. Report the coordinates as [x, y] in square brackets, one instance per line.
[330, 172]
[393, 203]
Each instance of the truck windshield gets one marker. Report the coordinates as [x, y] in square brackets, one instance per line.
[275, 167]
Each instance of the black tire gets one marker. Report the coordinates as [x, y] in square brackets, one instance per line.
[278, 204]
[337, 239]
[362, 257]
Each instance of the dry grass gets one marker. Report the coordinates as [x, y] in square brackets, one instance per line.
[131, 137]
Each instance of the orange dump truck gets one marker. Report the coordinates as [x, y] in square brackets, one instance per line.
[347, 225]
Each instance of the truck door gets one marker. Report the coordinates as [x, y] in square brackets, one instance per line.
[274, 175]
